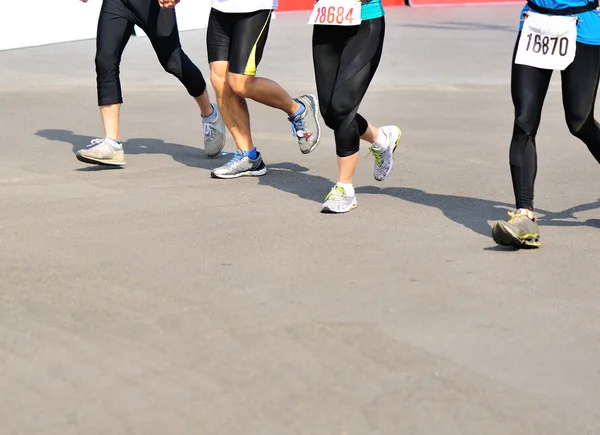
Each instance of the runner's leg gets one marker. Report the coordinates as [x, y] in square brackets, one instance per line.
[114, 30]
[580, 86]
[248, 36]
[529, 86]
[346, 60]
[233, 107]
[247, 161]
[161, 27]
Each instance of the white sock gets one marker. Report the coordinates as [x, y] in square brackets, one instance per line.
[113, 142]
[349, 188]
[381, 141]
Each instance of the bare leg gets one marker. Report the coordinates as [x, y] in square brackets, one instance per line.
[203, 102]
[263, 91]
[347, 167]
[110, 119]
[234, 108]
[371, 134]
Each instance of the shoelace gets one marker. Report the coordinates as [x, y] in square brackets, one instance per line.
[298, 129]
[209, 130]
[377, 155]
[95, 142]
[235, 159]
[336, 193]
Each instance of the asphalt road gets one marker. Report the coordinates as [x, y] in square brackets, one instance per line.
[155, 300]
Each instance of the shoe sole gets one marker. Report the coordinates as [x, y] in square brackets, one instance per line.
[393, 151]
[327, 210]
[503, 236]
[258, 173]
[99, 162]
[316, 113]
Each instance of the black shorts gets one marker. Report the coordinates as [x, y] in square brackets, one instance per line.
[238, 38]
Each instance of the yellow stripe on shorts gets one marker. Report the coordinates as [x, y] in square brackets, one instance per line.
[250, 69]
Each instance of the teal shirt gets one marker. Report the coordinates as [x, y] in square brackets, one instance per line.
[371, 10]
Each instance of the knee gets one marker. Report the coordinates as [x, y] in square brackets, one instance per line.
[332, 120]
[217, 81]
[575, 122]
[240, 84]
[172, 63]
[106, 64]
[526, 124]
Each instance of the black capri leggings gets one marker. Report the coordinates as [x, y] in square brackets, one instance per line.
[115, 26]
[529, 87]
[345, 60]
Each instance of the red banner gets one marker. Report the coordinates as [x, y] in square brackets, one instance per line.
[462, 2]
[306, 5]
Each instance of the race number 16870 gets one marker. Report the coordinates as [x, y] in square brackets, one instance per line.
[547, 44]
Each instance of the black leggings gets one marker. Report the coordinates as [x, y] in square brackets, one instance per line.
[528, 87]
[345, 60]
[115, 26]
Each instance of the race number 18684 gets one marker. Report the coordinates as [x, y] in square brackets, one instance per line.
[336, 13]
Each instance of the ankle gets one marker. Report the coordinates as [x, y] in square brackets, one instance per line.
[348, 187]
[297, 111]
[526, 212]
[253, 153]
[381, 140]
[113, 142]
[212, 117]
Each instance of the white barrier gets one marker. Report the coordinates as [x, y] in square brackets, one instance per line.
[28, 23]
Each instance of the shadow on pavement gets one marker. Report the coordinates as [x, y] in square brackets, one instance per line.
[187, 155]
[472, 213]
[475, 213]
[285, 176]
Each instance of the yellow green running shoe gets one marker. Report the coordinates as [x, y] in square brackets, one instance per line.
[521, 231]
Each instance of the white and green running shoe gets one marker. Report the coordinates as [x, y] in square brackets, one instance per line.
[338, 201]
[384, 156]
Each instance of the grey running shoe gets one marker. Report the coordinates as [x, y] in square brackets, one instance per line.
[215, 135]
[306, 126]
[521, 231]
[102, 152]
[338, 201]
[240, 166]
[384, 157]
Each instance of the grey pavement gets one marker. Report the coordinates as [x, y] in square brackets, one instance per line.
[154, 300]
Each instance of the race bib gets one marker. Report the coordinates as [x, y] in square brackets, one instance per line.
[336, 13]
[547, 41]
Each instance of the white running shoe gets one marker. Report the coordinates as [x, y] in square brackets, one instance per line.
[102, 152]
[215, 135]
[384, 156]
